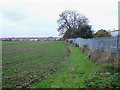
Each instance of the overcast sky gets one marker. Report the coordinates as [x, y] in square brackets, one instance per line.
[38, 17]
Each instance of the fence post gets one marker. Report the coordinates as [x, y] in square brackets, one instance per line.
[117, 47]
[101, 43]
[93, 45]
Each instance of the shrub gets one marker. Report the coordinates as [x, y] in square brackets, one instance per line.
[104, 80]
[85, 47]
[66, 40]
[71, 41]
[109, 67]
[76, 45]
[51, 69]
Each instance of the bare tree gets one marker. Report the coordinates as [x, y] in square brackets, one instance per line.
[70, 20]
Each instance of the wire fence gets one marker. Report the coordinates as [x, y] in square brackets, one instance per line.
[103, 43]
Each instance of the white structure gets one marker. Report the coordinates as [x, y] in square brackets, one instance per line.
[114, 33]
[119, 17]
[33, 39]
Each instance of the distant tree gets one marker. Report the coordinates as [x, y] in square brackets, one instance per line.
[70, 33]
[69, 20]
[72, 24]
[67, 34]
[84, 31]
[102, 33]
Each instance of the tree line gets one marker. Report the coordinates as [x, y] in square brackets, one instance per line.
[72, 24]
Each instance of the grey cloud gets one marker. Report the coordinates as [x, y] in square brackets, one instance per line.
[13, 14]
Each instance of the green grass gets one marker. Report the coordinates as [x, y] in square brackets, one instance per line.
[12, 42]
[42, 64]
[71, 74]
[105, 77]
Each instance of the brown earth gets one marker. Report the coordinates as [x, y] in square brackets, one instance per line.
[68, 52]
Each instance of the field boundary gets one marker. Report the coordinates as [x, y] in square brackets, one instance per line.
[103, 43]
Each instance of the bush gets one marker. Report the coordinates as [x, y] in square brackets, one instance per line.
[76, 45]
[71, 41]
[109, 67]
[85, 47]
[66, 40]
[103, 79]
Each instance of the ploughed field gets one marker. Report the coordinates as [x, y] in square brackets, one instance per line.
[25, 63]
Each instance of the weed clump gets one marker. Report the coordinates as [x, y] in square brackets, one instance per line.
[106, 77]
[85, 47]
[66, 40]
[76, 45]
[71, 41]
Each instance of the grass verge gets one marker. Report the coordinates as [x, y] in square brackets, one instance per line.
[71, 74]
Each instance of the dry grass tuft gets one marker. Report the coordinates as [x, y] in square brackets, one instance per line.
[105, 57]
